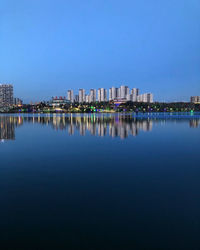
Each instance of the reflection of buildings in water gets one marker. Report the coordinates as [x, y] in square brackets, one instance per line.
[194, 123]
[82, 128]
[134, 129]
[123, 132]
[59, 122]
[71, 129]
[125, 128]
[7, 127]
[101, 125]
[114, 126]
[92, 128]
[102, 129]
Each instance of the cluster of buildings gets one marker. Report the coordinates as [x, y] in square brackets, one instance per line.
[6, 96]
[123, 93]
[115, 95]
[195, 99]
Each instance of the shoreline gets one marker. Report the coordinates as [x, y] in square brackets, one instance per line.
[132, 114]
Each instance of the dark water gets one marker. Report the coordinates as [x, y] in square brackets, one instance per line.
[99, 182]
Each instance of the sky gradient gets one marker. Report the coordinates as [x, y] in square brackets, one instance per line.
[48, 47]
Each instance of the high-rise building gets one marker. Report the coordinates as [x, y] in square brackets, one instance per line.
[124, 91]
[128, 97]
[147, 97]
[102, 95]
[110, 94]
[87, 98]
[70, 95]
[195, 99]
[118, 91]
[6, 95]
[114, 93]
[76, 98]
[81, 95]
[93, 95]
[99, 95]
[17, 101]
[134, 94]
[128, 92]
[139, 98]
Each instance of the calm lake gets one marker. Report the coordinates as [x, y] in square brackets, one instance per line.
[99, 182]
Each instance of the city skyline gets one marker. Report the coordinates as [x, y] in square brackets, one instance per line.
[88, 90]
[47, 48]
[114, 93]
[122, 93]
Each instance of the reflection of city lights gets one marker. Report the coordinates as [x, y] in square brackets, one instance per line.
[119, 125]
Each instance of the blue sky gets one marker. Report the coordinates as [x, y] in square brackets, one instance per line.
[47, 47]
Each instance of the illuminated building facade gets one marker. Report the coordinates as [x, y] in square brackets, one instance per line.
[92, 95]
[70, 95]
[58, 101]
[102, 95]
[147, 98]
[195, 99]
[17, 101]
[6, 95]
[81, 95]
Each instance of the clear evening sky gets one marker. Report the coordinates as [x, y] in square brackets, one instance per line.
[50, 46]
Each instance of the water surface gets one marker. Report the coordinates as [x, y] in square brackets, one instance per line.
[99, 182]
